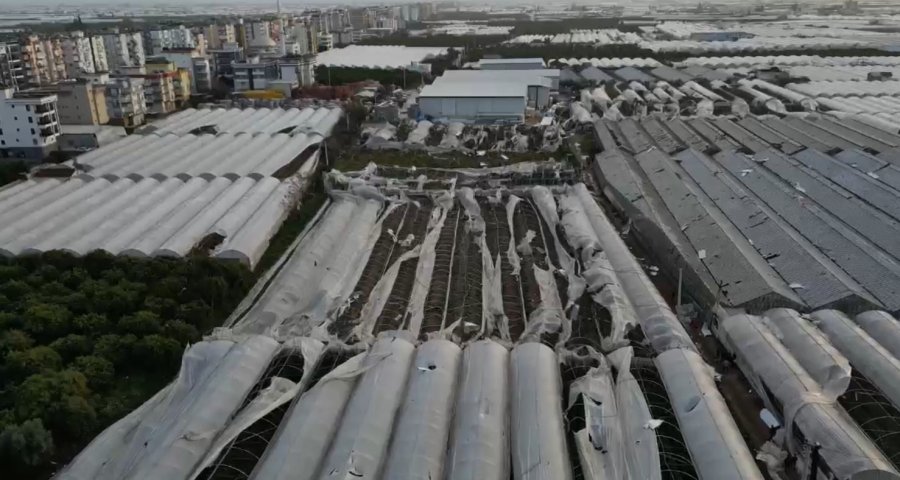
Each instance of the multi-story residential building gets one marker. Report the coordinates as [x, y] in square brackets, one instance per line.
[181, 80]
[125, 101]
[183, 58]
[259, 39]
[201, 74]
[43, 61]
[80, 102]
[221, 60]
[84, 54]
[29, 123]
[219, 35]
[254, 74]
[361, 18]
[124, 50]
[326, 41]
[159, 92]
[11, 72]
[160, 40]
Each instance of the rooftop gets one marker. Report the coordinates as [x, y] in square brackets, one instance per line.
[475, 89]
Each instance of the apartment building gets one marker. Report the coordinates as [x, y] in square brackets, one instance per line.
[173, 38]
[124, 50]
[43, 61]
[183, 58]
[11, 72]
[81, 102]
[83, 54]
[299, 69]
[219, 35]
[181, 78]
[29, 124]
[201, 75]
[125, 101]
[221, 60]
[254, 74]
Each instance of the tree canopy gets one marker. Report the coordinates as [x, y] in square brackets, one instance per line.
[85, 340]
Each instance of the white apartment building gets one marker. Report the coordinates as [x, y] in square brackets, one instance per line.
[84, 55]
[180, 37]
[124, 50]
[125, 101]
[11, 71]
[29, 124]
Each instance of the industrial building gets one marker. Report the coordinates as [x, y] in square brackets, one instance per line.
[511, 63]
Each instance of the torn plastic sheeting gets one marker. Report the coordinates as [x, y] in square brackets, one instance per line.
[811, 348]
[883, 328]
[642, 454]
[769, 367]
[717, 448]
[453, 137]
[613, 113]
[173, 435]
[493, 316]
[511, 253]
[420, 133]
[600, 446]
[865, 354]
[538, 441]
[277, 393]
[379, 295]
[548, 317]
[302, 439]
[479, 446]
[660, 325]
[361, 443]
[576, 226]
[579, 113]
[466, 197]
[419, 445]
[424, 269]
[546, 206]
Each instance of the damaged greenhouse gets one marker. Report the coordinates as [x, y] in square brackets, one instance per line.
[458, 331]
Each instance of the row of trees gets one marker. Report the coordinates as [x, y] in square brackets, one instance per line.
[85, 340]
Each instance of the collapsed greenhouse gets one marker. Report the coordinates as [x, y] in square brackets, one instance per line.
[454, 332]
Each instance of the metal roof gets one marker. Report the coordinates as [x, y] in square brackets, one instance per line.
[474, 89]
[249, 120]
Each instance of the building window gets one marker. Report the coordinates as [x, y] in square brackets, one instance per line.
[27, 108]
[30, 120]
[2, 142]
[32, 131]
[34, 142]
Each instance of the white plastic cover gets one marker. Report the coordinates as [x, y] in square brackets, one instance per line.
[717, 448]
[419, 445]
[884, 328]
[479, 445]
[172, 432]
[360, 445]
[538, 439]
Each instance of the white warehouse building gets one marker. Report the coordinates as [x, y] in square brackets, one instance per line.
[474, 102]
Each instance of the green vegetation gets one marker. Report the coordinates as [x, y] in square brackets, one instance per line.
[11, 171]
[85, 340]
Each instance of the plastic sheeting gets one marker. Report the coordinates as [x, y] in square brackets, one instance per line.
[309, 426]
[769, 367]
[361, 443]
[538, 440]
[419, 443]
[865, 354]
[171, 433]
[479, 446]
[810, 347]
[717, 448]
[660, 325]
[884, 328]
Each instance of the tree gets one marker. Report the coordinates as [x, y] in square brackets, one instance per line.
[14, 341]
[140, 323]
[59, 399]
[15, 289]
[26, 445]
[158, 350]
[72, 346]
[91, 323]
[181, 331]
[99, 372]
[35, 360]
[47, 320]
[115, 348]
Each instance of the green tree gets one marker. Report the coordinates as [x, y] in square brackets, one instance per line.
[164, 307]
[14, 341]
[158, 350]
[100, 372]
[181, 331]
[32, 361]
[140, 323]
[72, 346]
[15, 289]
[115, 348]
[74, 278]
[59, 399]
[26, 445]
[47, 320]
[11, 272]
[91, 323]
